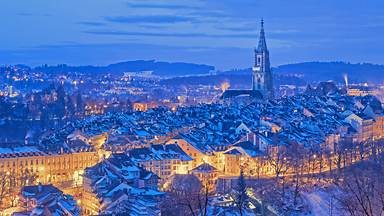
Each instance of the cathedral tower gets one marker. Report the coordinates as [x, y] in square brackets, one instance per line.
[262, 79]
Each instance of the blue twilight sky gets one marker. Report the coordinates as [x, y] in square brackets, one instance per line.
[217, 32]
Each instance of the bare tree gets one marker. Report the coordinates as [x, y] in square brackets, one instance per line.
[321, 160]
[361, 150]
[26, 177]
[8, 188]
[258, 167]
[363, 190]
[296, 160]
[239, 195]
[3, 186]
[187, 196]
[10, 184]
[340, 150]
[278, 160]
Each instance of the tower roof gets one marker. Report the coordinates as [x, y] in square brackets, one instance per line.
[262, 43]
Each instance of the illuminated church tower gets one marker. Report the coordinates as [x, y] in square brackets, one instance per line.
[262, 79]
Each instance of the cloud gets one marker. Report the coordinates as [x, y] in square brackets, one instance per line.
[279, 35]
[91, 23]
[209, 13]
[162, 34]
[150, 19]
[152, 26]
[27, 14]
[160, 6]
[237, 28]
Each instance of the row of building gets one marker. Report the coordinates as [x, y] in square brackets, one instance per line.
[139, 153]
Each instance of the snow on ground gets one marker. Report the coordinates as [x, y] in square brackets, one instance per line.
[321, 203]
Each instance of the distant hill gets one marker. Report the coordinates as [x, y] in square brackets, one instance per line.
[299, 74]
[237, 81]
[165, 69]
[317, 71]
[307, 72]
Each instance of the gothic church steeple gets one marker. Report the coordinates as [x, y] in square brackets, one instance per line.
[262, 79]
[262, 43]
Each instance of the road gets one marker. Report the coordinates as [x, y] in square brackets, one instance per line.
[319, 202]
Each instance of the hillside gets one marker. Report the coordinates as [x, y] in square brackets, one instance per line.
[299, 74]
[315, 71]
[164, 69]
[237, 81]
[307, 72]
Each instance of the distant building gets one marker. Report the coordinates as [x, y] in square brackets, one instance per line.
[143, 107]
[323, 89]
[262, 79]
[361, 91]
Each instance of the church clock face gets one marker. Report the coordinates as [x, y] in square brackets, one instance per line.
[256, 68]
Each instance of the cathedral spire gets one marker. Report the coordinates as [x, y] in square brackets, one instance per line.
[262, 79]
[262, 43]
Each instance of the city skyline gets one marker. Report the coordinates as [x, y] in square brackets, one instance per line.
[193, 108]
[220, 34]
